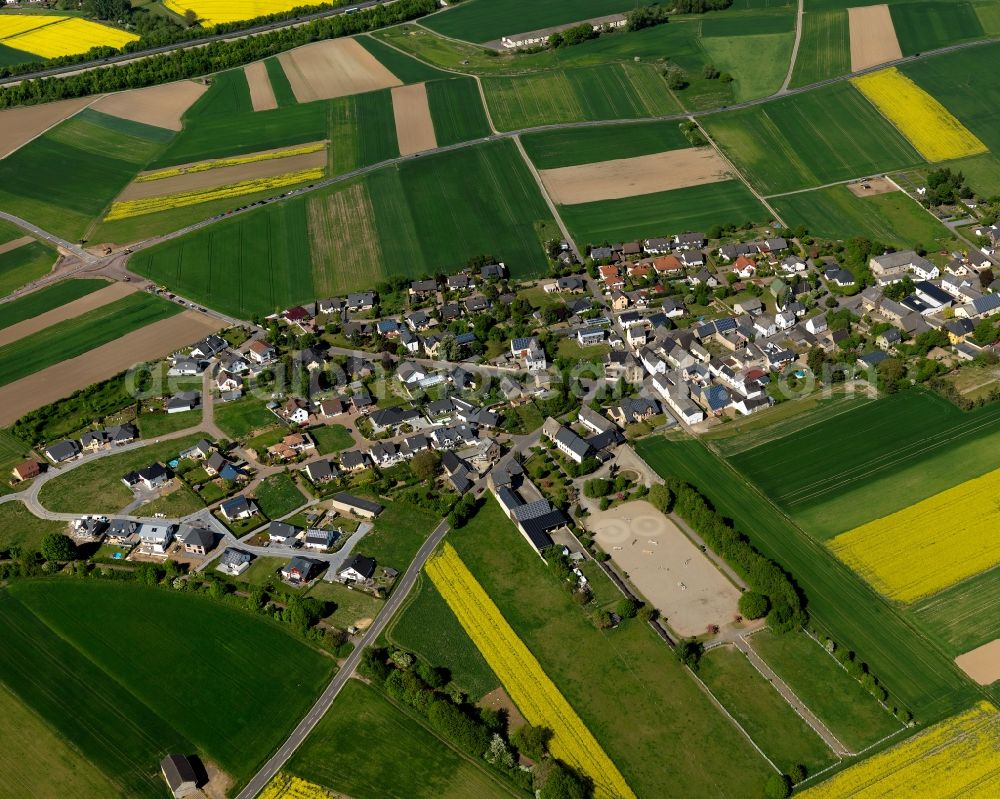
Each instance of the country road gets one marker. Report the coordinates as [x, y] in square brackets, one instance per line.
[299, 734]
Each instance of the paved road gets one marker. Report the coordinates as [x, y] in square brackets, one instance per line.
[399, 594]
[36, 231]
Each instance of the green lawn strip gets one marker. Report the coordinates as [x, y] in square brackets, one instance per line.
[929, 25]
[571, 146]
[97, 487]
[250, 656]
[399, 532]
[350, 606]
[331, 438]
[20, 527]
[27, 263]
[427, 627]
[32, 753]
[964, 616]
[914, 672]
[623, 683]
[456, 110]
[279, 83]
[836, 698]
[38, 302]
[278, 495]
[263, 571]
[768, 719]
[240, 418]
[370, 748]
[825, 49]
[154, 425]
[404, 67]
[648, 215]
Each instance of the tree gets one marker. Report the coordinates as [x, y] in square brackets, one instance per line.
[985, 332]
[753, 605]
[798, 773]
[532, 741]
[689, 652]
[891, 373]
[816, 360]
[425, 463]
[778, 786]
[628, 608]
[561, 783]
[58, 547]
[373, 665]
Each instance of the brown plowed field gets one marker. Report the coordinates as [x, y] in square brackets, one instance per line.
[414, 126]
[58, 381]
[334, 68]
[21, 125]
[261, 92]
[873, 37]
[983, 663]
[161, 106]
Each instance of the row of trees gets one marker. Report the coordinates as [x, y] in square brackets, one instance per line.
[213, 57]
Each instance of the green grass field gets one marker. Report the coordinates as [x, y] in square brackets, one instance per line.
[351, 606]
[964, 616]
[768, 719]
[228, 95]
[457, 111]
[66, 178]
[663, 213]
[278, 495]
[922, 679]
[825, 49]
[154, 425]
[836, 698]
[362, 131]
[571, 146]
[20, 527]
[427, 627]
[81, 334]
[279, 83]
[835, 213]
[38, 302]
[368, 747]
[24, 264]
[399, 532]
[757, 62]
[331, 438]
[929, 25]
[240, 418]
[610, 91]
[407, 69]
[623, 683]
[180, 502]
[809, 140]
[97, 487]
[422, 216]
[105, 684]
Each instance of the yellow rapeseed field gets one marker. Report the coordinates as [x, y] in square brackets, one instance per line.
[235, 160]
[928, 125]
[926, 547]
[60, 36]
[959, 757]
[522, 676]
[212, 12]
[151, 205]
[285, 786]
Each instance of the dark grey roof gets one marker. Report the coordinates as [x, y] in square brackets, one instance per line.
[537, 529]
[62, 450]
[509, 499]
[319, 470]
[178, 772]
[281, 530]
[235, 557]
[199, 536]
[358, 502]
[353, 458]
[362, 564]
[531, 510]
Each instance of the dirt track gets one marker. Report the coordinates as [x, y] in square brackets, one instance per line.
[261, 92]
[114, 291]
[873, 37]
[414, 126]
[161, 106]
[223, 176]
[58, 381]
[983, 663]
[21, 125]
[628, 177]
[875, 186]
[334, 68]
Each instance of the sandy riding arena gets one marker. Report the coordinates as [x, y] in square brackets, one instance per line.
[670, 571]
[21, 125]
[334, 68]
[628, 177]
[983, 663]
[160, 106]
[414, 126]
[62, 379]
[88, 302]
[871, 187]
[873, 37]
[261, 92]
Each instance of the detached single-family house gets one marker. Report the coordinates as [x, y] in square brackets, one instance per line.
[300, 570]
[321, 471]
[62, 451]
[358, 569]
[197, 540]
[359, 506]
[238, 508]
[234, 561]
[283, 533]
[183, 401]
[208, 347]
[154, 476]
[319, 539]
[26, 470]
[261, 352]
[156, 537]
[816, 324]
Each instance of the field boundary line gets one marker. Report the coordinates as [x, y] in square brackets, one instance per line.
[548, 200]
[795, 48]
[54, 124]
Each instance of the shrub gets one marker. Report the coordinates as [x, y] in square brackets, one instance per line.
[753, 605]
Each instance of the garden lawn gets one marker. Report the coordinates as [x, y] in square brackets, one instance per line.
[400, 530]
[964, 616]
[97, 487]
[912, 670]
[98, 677]
[351, 606]
[278, 495]
[837, 699]
[38, 302]
[663, 213]
[427, 627]
[154, 425]
[81, 334]
[20, 527]
[623, 683]
[810, 139]
[27, 263]
[552, 149]
[331, 438]
[768, 719]
[370, 748]
[241, 418]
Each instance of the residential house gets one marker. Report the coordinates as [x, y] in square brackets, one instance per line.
[750, 305]
[185, 367]
[319, 539]
[353, 460]
[634, 409]
[197, 540]
[359, 506]
[321, 471]
[238, 508]
[155, 537]
[593, 420]
[295, 411]
[888, 339]
[122, 532]
[291, 446]
[816, 324]
[357, 569]
[153, 476]
[183, 401]
[764, 325]
[234, 561]
[26, 470]
[361, 301]
[208, 347]
[688, 241]
[678, 398]
[261, 352]
[744, 268]
[283, 533]
[590, 336]
[421, 289]
[300, 570]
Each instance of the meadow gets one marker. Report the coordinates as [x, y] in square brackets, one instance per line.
[964, 616]
[755, 51]
[65, 179]
[825, 49]
[768, 719]
[331, 438]
[920, 677]
[835, 212]
[240, 418]
[399, 531]
[368, 747]
[45, 299]
[623, 683]
[809, 140]
[20, 527]
[663, 213]
[24, 264]
[552, 149]
[278, 495]
[81, 334]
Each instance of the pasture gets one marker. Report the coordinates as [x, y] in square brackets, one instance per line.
[125, 719]
[825, 49]
[623, 683]
[663, 213]
[553, 149]
[368, 747]
[920, 677]
[962, 617]
[809, 140]
[768, 719]
[894, 218]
